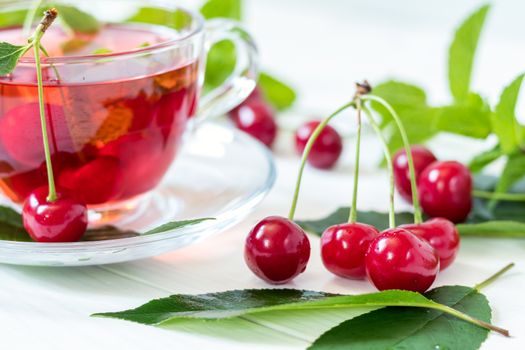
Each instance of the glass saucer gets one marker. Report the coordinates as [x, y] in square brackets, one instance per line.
[221, 173]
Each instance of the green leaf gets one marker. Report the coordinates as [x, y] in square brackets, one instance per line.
[77, 20]
[412, 328]
[277, 93]
[176, 225]
[177, 19]
[9, 56]
[12, 18]
[513, 171]
[485, 158]
[504, 121]
[252, 301]
[470, 118]
[220, 64]
[402, 96]
[419, 126]
[222, 9]
[462, 52]
[107, 233]
[11, 227]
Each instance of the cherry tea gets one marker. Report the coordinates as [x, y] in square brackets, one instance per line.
[115, 123]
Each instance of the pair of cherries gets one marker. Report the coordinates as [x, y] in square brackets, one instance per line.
[407, 257]
[255, 117]
[444, 187]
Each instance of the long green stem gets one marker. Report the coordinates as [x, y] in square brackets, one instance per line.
[35, 39]
[390, 166]
[415, 200]
[509, 197]
[306, 152]
[353, 209]
[493, 277]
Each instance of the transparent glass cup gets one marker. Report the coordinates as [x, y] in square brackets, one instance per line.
[116, 118]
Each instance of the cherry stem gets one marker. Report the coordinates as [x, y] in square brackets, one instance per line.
[306, 152]
[494, 277]
[418, 219]
[353, 209]
[509, 197]
[49, 17]
[390, 166]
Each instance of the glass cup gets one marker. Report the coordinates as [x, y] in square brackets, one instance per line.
[119, 111]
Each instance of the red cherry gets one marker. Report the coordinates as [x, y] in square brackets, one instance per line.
[143, 160]
[422, 158]
[256, 118]
[343, 249]
[63, 220]
[325, 151]
[256, 95]
[277, 250]
[21, 133]
[445, 190]
[398, 259]
[96, 182]
[442, 235]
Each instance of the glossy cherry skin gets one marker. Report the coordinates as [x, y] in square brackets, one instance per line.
[63, 220]
[422, 158]
[277, 250]
[343, 249]
[445, 190]
[442, 235]
[398, 259]
[256, 118]
[325, 151]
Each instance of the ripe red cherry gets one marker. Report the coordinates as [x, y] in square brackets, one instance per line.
[21, 133]
[442, 235]
[422, 158]
[325, 151]
[445, 190]
[96, 182]
[277, 250]
[343, 249]
[398, 259]
[256, 118]
[63, 220]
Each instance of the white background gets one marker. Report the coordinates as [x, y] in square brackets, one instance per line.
[322, 47]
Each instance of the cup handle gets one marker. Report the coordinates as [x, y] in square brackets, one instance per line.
[240, 84]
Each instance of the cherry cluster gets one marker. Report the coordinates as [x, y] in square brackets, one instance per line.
[406, 257]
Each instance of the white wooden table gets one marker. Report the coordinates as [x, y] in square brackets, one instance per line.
[49, 308]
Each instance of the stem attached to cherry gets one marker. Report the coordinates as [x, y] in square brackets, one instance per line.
[306, 152]
[390, 166]
[353, 209]
[418, 218]
[49, 18]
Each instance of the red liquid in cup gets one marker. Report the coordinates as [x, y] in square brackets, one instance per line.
[110, 140]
